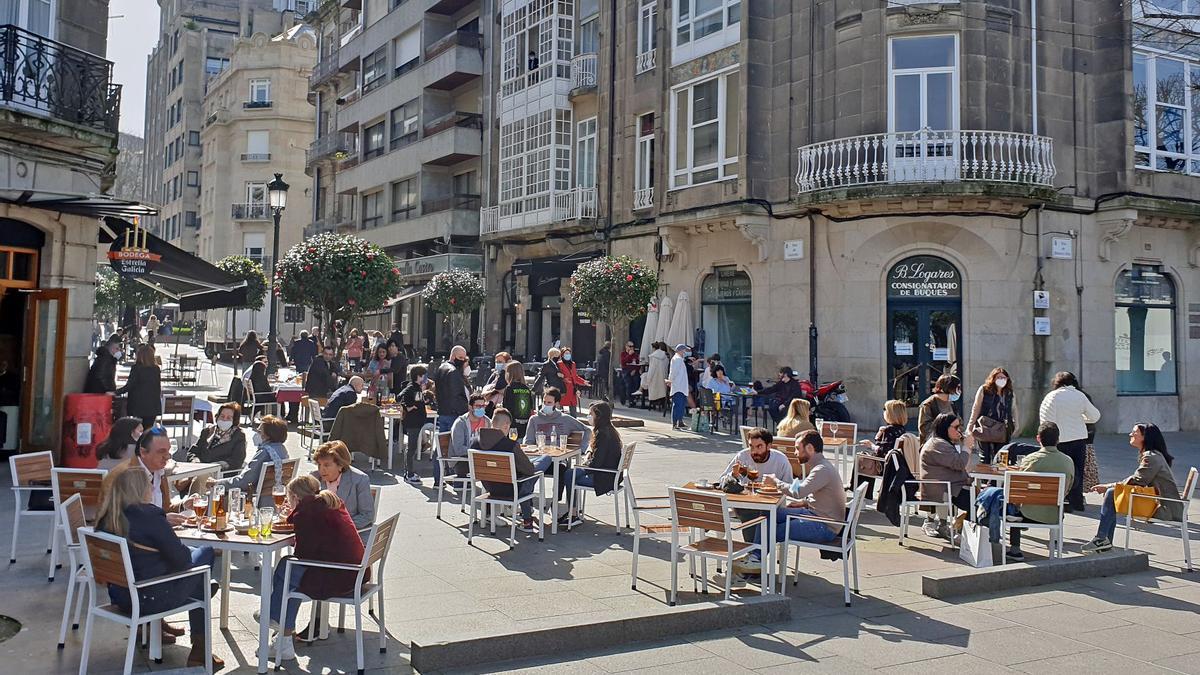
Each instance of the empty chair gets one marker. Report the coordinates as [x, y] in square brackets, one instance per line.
[316, 428]
[88, 484]
[704, 512]
[843, 545]
[30, 473]
[177, 419]
[70, 515]
[448, 468]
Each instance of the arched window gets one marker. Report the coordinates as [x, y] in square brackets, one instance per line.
[1145, 332]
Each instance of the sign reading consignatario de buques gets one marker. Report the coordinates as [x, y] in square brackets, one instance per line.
[924, 276]
[129, 255]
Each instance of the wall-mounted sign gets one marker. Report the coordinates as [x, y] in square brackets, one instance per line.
[941, 353]
[1062, 248]
[903, 348]
[430, 265]
[725, 285]
[129, 255]
[1041, 325]
[1041, 299]
[793, 249]
[924, 276]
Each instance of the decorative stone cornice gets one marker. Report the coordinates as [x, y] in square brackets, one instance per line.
[1114, 231]
[887, 206]
[759, 234]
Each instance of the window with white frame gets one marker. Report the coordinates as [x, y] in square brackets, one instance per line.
[644, 178]
[705, 130]
[535, 159]
[923, 84]
[258, 146]
[254, 246]
[585, 153]
[589, 35]
[647, 33]
[696, 20]
[193, 179]
[537, 42]
[1166, 112]
[260, 90]
[256, 193]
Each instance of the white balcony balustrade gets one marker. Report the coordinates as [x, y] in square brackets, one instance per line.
[927, 156]
[574, 204]
[645, 61]
[489, 219]
[583, 71]
[643, 198]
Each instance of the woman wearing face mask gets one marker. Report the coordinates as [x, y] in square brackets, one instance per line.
[412, 400]
[118, 447]
[223, 442]
[497, 382]
[946, 392]
[380, 370]
[995, 401]
[571, 381]
[268, 440]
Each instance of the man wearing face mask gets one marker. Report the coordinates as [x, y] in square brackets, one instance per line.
[550, 419]
[102, 376]
[465, 431]
[450, 383]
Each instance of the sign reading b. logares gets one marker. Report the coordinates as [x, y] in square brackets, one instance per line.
[129, 255]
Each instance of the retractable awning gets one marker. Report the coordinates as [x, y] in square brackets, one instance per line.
[94, 205]
[192, 282]
[406, 293]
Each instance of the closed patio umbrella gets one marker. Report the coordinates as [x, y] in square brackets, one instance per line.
[681, 331]
[648, 333]
[952, 348]
[666, 308]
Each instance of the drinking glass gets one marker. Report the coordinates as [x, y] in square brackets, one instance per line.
[254, 527]
[235, 505]
[541, 440]
[279, 494]
[266, 517]
[199, 507]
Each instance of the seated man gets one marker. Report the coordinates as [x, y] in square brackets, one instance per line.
[550, 419]
[1048, 459]
[344, 396]
[465, 431]
[761, 457]
[498, 441]
[821, 493]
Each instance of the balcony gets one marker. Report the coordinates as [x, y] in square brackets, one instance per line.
[350, 4]
[927, 156]
[583, 72]
[645, 61]
[453, 60]
[458, 38]
[453, 138]
[572, 205]
[51, 79]
[643, 199]
[448, 7]
[250, 211]
[256, 156]
[466, 120]
[460, 201]
[329, 144]
[324, 69]
[256, 105]
[489, 219]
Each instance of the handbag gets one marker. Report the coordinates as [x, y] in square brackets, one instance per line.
[975, 546]
[989, 430]
[1142, 508]
[1091, 469]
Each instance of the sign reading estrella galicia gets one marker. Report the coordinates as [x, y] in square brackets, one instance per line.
[129, 254]
[924, 276]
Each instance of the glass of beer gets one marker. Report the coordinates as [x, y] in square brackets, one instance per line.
[753, 475]
[1002, 457]
[279, 494]
[200, 507]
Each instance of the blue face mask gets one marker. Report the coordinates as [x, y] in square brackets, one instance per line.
[566, 357]
[547, 409]
[499, 366]
[954, 397]
[478, 412]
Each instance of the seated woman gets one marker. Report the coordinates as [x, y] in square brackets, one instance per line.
[155, 550]
[797, 421]
[895, 417]
[380, 371]
[268, 441]
[222, 443]
[1154, 470]
[604, 452]
[118, 447]
[719, 383]
[946, 456]
[263, 392]
[325, 533]
[351, 486]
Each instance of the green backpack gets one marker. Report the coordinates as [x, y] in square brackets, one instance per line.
[518, 400]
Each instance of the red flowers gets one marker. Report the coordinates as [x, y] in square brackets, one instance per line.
[308, 268]
[351, 302]
[364, 274]
[452, 301]
[628, 277]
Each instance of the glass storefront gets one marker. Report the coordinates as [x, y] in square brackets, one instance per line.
[725, 319]
[1145, 332]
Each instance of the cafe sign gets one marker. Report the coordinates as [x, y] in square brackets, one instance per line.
[725, 286]
[430, 265]
[129, 254]
[924, 277]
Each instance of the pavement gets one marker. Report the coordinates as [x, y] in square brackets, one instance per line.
[436, 584]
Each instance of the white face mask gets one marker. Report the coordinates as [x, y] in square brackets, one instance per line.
[256, 439]
[224, 425]
[1001, 382]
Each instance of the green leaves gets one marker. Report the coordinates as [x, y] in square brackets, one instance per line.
[245, 269]
[613, 289]
[454, 292]
[113, 291]
[339, 274]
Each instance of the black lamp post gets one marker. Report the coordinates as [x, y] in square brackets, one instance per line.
[277, 194]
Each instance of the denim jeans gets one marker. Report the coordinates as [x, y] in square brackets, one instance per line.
[412, 444]
[801, 530]
[1108, 516]
[575, 477]
[277, 593]
[678, 406]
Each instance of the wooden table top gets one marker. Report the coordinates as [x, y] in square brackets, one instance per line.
[233, 540]
[746, 498]
[989, 470]
[550, 451]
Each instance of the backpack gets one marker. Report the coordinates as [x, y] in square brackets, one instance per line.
[518, 400]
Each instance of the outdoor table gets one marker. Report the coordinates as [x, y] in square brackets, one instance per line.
[392, 414]
[985, 473]
[563, 458]
[189, 470]
[769, 504]
[231, 542]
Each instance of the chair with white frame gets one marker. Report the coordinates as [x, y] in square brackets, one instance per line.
[659, 509]
[843, 545]
[318, 608]
[88, 484]
[1189, 486]
[375, 552]
[842, 451]
[620, 484]
[257, 401]
[107, 562]
[1034, 488]
[70, 515]
[176, 417]
[448, 466]
[706, 511]
[267, 480]
[315, 432]
[912, 507]
[501, 468]
[30, 472]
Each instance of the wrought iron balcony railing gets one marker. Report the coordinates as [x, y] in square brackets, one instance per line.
[583, 71]
[330, 143]
[250, 211]
[50, 78]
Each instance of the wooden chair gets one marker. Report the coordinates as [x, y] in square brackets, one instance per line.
[706, 511]
[500, 467]
[744, 430]
[374, 555]
[449, 470]
[844, 544]
[641, 507]
[71, 519]
[266, 477]
[1189, 487]
[177, 418]
[1032, 488]
[427, 440]
[910, 508]
[575, 440]
[620, 481]
[30, 472]
[189, 369]
[88, 484]
[106, 561]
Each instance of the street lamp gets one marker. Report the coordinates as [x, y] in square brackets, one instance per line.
[277, 196]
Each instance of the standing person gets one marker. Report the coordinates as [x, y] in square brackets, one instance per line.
[518, 397]
[412, 399]
[303, 352]
[102, 376]
[250, 349]
[946, 392]
[1154, 470]
[942, 459]
[780, 395]
[549, 374]
[223, 442]
[152, 326]
[571, 381]
[399, 365]
[798, 419]
[631, 371]
[995, 401]
[677, 378]
[323, 374]
[379, 372]
[603, 371]
[497, 382]
[1071, 410]
[118, 448]
[450, 383]
[654, 382]
[396, 338]
[144, 387]
[354, 350]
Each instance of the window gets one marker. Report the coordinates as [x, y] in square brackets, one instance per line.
[260, 92]
[193, 179]
[258, 146]
[589, 36]
[193, 138]
[535, 159]
[256, 193]
[585, 153]
[374, 70]
[408, 51]
[1166, 112]
[373, 144]
[698, 19]
[372, 210]
[190, 219]
[923, 88]
[214, 66]
[405, 124]
[254, 246]
[404, 199]
[705, 131]
[647, 35]
[1145, 331]
[467, 183]
[644, 179]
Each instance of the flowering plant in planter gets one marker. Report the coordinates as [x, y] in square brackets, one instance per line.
[614, 290]
[455, 294]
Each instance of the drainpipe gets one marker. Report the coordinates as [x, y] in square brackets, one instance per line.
[1041, 369]
[1033, 63]
[812, 301]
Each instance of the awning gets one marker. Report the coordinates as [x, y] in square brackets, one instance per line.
[406, 293]
[93, 205]
[560, 267]
[193, 283]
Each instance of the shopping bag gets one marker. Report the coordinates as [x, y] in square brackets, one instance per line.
[1091, 469]
[976, 545]
[1142, 508]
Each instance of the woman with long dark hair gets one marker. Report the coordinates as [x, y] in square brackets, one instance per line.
[251, 348]
[604, 452]
[118, 447]
[1154, 470]
[144, 387]
[995, 402]
[942, 459]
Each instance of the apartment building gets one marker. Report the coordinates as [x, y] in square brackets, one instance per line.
[59, 110]
[257, 123]
[875, 192]
[398, 93]
[195, 40]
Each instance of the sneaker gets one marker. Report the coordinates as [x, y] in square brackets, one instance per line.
[567, 521]
[944, 531]
[412, 479]
[289, 648]
[258, 619]
[1097, 545]
[1015, 555]
[931, 528]
[528, 526]
[312, 632]
[747, 568]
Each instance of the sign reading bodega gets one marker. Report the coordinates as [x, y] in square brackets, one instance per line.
[129, 256]
[924, 276]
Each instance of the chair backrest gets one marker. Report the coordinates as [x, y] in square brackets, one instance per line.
[575, 439]
[704, 510]
[266, 475]
[1030, 488]
[443, 444]
[379, 541]
[745, 439]
[71, 518]
[846, 431]
[853, 511]
[106, 559]
[314, 410]
[493, 467]
[627, 456]
[704, 397]
[29, 468]
[178, 405]
[1189, 485]
[87, 483]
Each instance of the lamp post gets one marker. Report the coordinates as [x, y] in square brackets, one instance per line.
[277, 194]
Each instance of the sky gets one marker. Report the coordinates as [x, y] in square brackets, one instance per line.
[132, 34]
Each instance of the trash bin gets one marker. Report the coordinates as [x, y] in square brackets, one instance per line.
[87, 421]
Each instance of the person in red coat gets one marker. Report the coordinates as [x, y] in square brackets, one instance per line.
[571, 380]
[324, 532]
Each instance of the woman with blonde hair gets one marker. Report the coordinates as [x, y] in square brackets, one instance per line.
[797, 421]
[895, 419]
[324, 533]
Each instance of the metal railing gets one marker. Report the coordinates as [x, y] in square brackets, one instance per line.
[456, 118]
[643, 198]
[459, 201]
[338, 141]
[574, 204]
[489, 219]
[256, 156]
[324, 69]
[927, 156]
[256, 105]
[583, 71]
[458, 38]
[49, 77]
[645, 61]
[250, 211]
